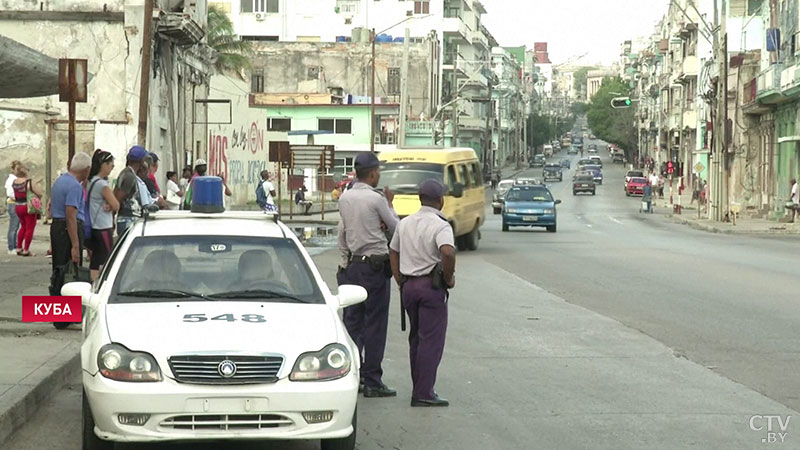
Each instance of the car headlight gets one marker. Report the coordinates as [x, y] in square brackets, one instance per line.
[330, 363]
[118, 363]
[511, 210]
[549, 211]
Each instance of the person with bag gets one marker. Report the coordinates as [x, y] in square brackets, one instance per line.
[28, 206]
[68, 208]
[11, 203]
[101, 207]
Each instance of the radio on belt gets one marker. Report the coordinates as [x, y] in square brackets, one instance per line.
[207, 195]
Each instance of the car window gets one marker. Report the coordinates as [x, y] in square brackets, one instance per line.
[529, 194]
[214, 265]
[405, 178]
[475, 172]
[450, 180]
[584, 179]
[463, 174]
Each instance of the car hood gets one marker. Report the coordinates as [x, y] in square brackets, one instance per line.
[162, 329]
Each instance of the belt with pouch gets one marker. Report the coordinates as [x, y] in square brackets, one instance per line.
[376, 262]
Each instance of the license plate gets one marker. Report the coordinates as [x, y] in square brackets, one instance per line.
[584, 185]
[530, 219]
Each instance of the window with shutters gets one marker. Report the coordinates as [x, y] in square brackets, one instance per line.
[393, 81]
[257, 81]
[279, 124]
[273, 6]
[336, 126]
[422, 7]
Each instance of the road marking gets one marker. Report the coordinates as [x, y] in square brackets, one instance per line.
[588, 225]
[615, 220]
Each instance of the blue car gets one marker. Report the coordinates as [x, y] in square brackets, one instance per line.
[530, 206]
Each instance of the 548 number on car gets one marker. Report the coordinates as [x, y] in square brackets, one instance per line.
[252, 318]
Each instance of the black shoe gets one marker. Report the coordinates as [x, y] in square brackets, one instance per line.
[436, 401]
[379, 391]
[360, 388]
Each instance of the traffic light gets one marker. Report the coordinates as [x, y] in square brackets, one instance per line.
[621, 102]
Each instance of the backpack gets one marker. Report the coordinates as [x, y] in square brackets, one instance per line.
[87, 220]
[261, 195]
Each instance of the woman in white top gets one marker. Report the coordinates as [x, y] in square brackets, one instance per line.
[13, 220]
[174, 193]
[103, 204]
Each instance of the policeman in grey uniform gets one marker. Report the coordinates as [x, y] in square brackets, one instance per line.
[367, 216]
[423, 261]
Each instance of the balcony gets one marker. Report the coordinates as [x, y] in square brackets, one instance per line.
[479, 37]
[471, 123]
[456, 30]
[455, 61]
[419, 127]
[790, 81]
[689, 67]
[769, 85]
[690, 119]
[180, 28]
[663, 81]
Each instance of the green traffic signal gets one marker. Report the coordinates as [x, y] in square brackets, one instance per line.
[621, 102]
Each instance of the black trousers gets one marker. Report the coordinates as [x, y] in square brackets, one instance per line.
[61, 245]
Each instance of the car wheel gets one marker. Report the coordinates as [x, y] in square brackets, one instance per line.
[460, 243]
[627, 194]
[505, 226]
[552, 228]
[61, 325]
[574, 193]
[90, 440]
[472, 239]
[348, 443]
[496, 210]
[594, 192]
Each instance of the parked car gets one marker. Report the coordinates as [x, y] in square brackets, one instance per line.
[552, 171]
[584, 184]
[498, 198]
[537, 161]
[530, 206]
[633, 174]
[596, 160]
[636, 186]
[565, 163]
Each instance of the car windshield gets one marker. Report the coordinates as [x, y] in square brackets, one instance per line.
[591, 167]
[529, 194]
[405, 178]
[553, 166]
[505, 185]
[638, 180]
[214, 268]
[584, 179]
[634, 173]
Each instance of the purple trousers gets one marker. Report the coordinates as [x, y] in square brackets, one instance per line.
[368, 322]
[427, 312]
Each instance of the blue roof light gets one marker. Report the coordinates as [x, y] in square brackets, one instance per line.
[207, 195]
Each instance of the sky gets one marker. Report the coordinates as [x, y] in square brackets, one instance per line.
[573, 27]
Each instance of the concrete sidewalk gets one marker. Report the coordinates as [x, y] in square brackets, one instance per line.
[37, 358]
[744, 225]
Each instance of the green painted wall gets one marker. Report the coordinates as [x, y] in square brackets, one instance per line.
[787, 165]
[306, 117]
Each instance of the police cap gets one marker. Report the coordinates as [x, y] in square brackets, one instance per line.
[366, 160]
[432, 189]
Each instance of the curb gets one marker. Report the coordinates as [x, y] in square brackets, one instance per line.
[713, 229]
[28, 397]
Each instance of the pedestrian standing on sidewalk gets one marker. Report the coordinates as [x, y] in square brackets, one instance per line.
[423, 259]
[661, 182]
[795, 199]
[174, 192]
[265, 193]
[367, 216]
[27, 217]
[68, 209]
[11, 203]
[102, 207]
[127, 190]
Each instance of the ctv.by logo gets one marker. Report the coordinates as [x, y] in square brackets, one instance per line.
[775, 426]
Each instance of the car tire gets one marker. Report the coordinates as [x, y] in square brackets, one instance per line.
[61, 325]
[574, 193]
[348, 443]
[472, 239]
[552, 228]
[90, 440]
[505, 226]
[460, 243]
[627, 194]
[496, 210]
[594, 192]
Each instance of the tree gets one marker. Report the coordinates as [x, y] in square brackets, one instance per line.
[540, 130]
[233, 54]
[613, 125]
[579, 79]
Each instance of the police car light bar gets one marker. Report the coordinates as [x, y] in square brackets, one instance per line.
[252, 215]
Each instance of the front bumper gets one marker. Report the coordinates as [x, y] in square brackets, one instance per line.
[281, 404]
[529, 220]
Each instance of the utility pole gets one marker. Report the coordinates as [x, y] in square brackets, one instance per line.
[487, 149]
[401, 137]
[144, 87]
[454, 120]
[718, 163]
[372, 97]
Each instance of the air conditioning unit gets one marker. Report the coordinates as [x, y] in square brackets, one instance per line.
[409, 13]
[259, 16]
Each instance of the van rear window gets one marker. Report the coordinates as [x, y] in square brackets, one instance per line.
[405, 178]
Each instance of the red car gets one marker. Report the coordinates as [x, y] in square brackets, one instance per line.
[636, 186]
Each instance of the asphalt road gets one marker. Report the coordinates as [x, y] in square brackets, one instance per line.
[620, 331]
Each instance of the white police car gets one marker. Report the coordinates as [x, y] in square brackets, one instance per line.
[213, 325]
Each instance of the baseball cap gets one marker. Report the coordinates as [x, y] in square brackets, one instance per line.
[366, 160]
[154, 156]
[137, 153]
[432, 188]
[200, 162]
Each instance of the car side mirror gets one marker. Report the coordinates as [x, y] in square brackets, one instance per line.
[457, 191]
[80, 289]
[558, 202]
[350, 294]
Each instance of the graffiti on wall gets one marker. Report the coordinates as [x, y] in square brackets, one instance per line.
[238, 153]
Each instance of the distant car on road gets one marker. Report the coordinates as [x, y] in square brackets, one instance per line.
[597, 172]
[527, 181]
[591, 150]
[538, 161]
[633, 174]
[530, 206]
[591, 136]
[565, 163]
[596, 160]
[552, 171]
[574, 150]
[584, 184]
[618, 157]
[592, 146]
[497, 199]
[636, 186]
[584, 162]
